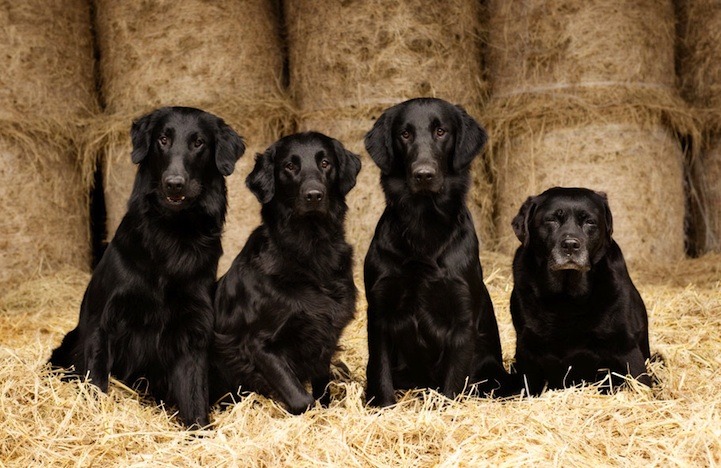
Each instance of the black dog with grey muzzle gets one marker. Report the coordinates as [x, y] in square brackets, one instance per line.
[575, 309]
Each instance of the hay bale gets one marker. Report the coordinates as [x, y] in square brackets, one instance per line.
[44, 216]
[224, 57]
[553, 45]
[46, 57]
[349, 60]
[699, 67]
[47, 90]
[639, 167]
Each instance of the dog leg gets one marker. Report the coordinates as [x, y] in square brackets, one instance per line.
[188, 388]
[379, 390]
[97, 359]
[458, 369]
[320, 389]
[283, 380]
[636, 366]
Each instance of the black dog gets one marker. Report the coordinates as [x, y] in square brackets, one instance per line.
[147, 313]
[289, 294]
[430, 318]
[575, 309]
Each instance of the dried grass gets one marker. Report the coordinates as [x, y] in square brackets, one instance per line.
[224, 57]
[349, 60]
[45, 421]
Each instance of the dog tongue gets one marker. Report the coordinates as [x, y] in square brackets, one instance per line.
[176, 198]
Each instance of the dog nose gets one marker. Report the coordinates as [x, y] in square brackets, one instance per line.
[424, 174]
[570, 244]
[313, 196]
[174, 183]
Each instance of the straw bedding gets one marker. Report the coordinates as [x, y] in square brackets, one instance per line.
[349, 60]
[678, 422]
[224, 57]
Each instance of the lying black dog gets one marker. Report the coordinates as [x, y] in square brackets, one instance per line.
[289, 294]
[430, 318]
[147, 313]
[575, 309]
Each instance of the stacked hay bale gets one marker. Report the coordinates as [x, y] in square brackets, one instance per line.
[700, 72]
[583, 94]
[224, 57]
[351, 60]
[47, 89]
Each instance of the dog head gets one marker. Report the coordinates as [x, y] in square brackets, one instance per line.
[566, 228]
[306, 172]
[183, 149]
[422, 141]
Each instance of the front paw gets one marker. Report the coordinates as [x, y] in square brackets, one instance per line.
[380, 401]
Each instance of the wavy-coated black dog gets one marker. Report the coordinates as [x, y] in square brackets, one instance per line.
[430, 318]
[147, 313]
[575, 309]
[289, 294]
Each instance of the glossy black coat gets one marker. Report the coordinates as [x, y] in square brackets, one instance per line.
[146, 317]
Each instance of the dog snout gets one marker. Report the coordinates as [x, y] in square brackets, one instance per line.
[424, 174]
[313, 196]
[174, 183]
[571, 245]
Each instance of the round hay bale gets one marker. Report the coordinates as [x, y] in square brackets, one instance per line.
[46, 57]
[638, 166]
[551, 45]
[47, 90]
[168, 53]
[44, 216]
[349, 60]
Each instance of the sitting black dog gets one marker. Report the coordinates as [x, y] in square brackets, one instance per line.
[575, 309]
[289, 294]
[147, 313]
[430, 318]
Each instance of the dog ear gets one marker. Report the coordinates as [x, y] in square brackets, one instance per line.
[261, 180]
[607, 214]
[470, 140]
[522, 219]
[379, 141]
[141, 134]
[229, 147]
[349, 165]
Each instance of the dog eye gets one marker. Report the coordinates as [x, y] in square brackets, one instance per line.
[405, 134]
[324, 164]
[290, 166]
[590, 222]
[163, 140]
[198, 143]
[440, 131]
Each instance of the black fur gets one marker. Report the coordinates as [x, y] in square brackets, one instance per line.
[289, 294]
[430, 318]
[147, 313]
[576, 311]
